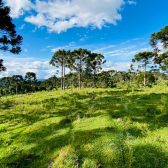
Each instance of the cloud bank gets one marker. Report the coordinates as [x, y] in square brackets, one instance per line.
[60, 15]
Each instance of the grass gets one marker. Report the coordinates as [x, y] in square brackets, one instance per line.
[85, 128]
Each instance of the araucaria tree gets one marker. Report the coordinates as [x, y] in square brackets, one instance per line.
[94, 61]
[162, 60]
[30, 76]
[9, 36]
[59, 59]
[143, 58]
[15, 79]
[80, 56]
[2, 68]
[161, 36]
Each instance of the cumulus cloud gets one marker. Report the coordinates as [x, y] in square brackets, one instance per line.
[42, 69]
[18, 7]
[60, 15]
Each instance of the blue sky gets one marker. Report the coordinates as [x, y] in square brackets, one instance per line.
[118, 29]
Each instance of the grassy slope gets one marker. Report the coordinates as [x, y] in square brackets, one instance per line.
[85, 128]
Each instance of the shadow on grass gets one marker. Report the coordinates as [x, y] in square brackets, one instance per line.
[116, 104]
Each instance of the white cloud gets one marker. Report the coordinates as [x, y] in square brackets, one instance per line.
[60, 15]
[22, 26]
[160, 46]
[18, 7]
[113, 55]
[144, 43]
[34, 29]
[43, 49]
[55, 49]
[120, 66]
[144, 49]
[41, 69]
[82, 39]
[49, 46]
[72, 43]
[128, 41]
[26, 50]
[112, 52]
[131, 2]
[135, 39]
[104, 48]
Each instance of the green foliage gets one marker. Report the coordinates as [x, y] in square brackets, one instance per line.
[149, 77]
[162, 35]
[162, 59]
[2, 68]
[8, 31]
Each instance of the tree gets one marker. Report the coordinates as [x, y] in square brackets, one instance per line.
[15, 79]
[7, 29]
[149, 76]
[80, 56]
[143, 58]
[5, 83]
[53, 80]
[162, 60]
[9, 36]
[2, 68]
[162, 35]
[94, 61]
[30, 76]
[59, 59]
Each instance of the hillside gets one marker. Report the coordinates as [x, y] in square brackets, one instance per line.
[85, 128]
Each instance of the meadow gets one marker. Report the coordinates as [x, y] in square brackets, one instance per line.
[85, 128]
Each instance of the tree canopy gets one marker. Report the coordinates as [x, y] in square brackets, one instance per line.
[143, 57]
[7, 29]
[162, 35]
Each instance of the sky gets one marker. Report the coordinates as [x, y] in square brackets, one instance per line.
[117, 29]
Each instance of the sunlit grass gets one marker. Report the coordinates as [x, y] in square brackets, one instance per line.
[85, 128]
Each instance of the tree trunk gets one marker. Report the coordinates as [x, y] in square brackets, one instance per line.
[71, 80]
[80, 74]
[62, 77]
[145, 76]
[16, 88]
[64, 74]
[94, 79]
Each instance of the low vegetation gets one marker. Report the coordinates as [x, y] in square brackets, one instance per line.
[85, 128]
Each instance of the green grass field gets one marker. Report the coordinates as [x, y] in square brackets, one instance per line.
[85, 128]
